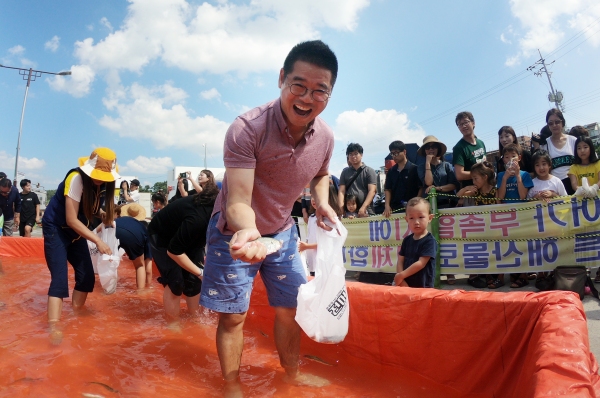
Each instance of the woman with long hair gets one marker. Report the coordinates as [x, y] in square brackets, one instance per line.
[67, 224]
[507, 136]
[205, 178]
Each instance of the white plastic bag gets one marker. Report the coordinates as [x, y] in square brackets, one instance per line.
[107, 265]
[323, 308]
[94, 254]
[585, 190]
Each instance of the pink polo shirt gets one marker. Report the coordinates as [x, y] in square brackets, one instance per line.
[259, 140]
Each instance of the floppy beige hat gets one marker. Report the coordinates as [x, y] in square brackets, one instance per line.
[133, 210]
[432, 139]
[101, 165]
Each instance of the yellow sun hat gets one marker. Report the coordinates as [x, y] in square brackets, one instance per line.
[134, 210]
[101, 165]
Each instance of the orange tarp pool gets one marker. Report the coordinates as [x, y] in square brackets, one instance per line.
[401, 342]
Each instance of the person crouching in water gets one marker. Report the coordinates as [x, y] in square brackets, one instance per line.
[416, 260]
[177, 239]
[68, 221]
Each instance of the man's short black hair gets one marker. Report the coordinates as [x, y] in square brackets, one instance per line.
[5, 182]
[24, 182]
[2, 175]
[465, 114]
[354, 147]
[314, 52]
[398, 146]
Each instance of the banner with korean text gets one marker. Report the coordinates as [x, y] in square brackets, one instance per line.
[518, 237]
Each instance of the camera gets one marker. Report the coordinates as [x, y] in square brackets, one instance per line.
[182, 175]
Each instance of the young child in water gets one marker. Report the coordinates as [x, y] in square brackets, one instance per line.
[311, 240]
[416, 261]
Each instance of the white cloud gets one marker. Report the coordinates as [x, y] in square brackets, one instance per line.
[7, 162]
[545, 23]
[104, 21]
[210, 94]
[374, 131]
[215, 38]
[157, 114]
[78, 84]
[148, 166]
[52, 44]
[371, 128]
[16, 50]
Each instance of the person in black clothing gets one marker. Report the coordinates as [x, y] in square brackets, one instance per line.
[401, 181]
[30, 209]
[177, 240]
[182, 186]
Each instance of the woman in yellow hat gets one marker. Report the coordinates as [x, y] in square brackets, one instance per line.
[67, 223]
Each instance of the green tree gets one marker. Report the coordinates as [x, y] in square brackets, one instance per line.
[161, 185]
[49, 194]
[146, 188]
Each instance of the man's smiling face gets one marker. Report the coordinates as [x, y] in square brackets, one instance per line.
[299, 111]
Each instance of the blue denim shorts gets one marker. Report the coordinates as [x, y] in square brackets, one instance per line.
[227, 283]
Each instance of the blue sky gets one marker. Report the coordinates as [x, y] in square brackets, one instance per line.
[156, 80]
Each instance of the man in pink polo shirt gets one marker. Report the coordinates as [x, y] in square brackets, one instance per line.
[271, 153]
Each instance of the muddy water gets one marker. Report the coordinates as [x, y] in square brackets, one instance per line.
[121, 346]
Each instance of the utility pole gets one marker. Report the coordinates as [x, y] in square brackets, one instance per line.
[30, 75]
[553, 96]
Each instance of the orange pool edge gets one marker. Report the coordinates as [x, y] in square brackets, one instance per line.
[477, 343]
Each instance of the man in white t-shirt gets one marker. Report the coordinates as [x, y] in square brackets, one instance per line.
[134, 191]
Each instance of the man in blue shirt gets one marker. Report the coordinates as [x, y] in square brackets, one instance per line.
[10, 203]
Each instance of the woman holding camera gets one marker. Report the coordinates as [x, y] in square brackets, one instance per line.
[205, 178]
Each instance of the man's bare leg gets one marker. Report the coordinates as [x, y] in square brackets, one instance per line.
[27, 231]
[230, 343]
[287, 341]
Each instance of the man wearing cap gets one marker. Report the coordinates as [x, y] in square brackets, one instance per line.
[401, 181]
[133, 238]
[66, 226]
[134, 191]
[10, 204]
